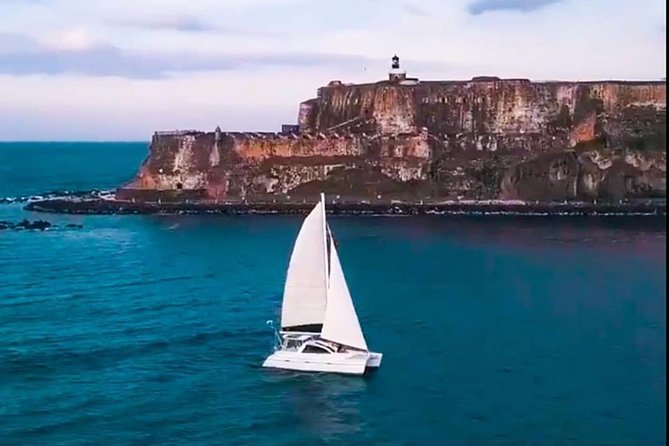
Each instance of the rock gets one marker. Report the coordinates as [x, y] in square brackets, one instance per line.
[587, 175]
[26, 224]
[37, 224]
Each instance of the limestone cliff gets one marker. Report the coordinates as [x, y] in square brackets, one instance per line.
[479, 139]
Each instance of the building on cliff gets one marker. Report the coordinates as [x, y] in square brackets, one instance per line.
[399, 76]
[406, 139]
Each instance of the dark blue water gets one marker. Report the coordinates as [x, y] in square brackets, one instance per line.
[150, 330]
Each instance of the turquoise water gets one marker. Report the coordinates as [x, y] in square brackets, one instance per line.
[151, 329]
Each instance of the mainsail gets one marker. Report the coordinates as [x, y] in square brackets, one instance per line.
[341, 321]
[304, 294]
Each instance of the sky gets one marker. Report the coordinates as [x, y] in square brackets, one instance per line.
[120, 69]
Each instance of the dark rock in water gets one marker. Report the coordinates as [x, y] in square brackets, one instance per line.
[37, 224]
[26, 224]
[34, 225]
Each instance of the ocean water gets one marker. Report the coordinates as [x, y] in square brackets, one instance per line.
[141, 330]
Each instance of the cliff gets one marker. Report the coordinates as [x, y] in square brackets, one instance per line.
[480, 139]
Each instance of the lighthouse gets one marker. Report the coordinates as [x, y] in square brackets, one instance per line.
[396, 74]
[396, 63]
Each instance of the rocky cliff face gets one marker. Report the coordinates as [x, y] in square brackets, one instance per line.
[480, 139]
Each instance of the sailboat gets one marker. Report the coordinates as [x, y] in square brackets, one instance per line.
[320, 330]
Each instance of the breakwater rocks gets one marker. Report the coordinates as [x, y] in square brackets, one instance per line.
[81, 194]
[650, 207]
[38, 225]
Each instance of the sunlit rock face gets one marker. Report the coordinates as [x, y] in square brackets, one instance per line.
[480, 139]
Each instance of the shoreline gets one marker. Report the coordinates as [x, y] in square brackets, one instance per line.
[118, 207]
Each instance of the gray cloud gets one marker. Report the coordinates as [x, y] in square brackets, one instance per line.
[107, 60]
[16, 43]
[176, 23]
[185, 24]
[414, 10]
[181, 23]
[482, 6]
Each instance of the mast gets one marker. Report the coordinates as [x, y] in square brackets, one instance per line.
[325, 242]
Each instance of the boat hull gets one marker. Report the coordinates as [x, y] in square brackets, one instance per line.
[374, 360]
[352, 363]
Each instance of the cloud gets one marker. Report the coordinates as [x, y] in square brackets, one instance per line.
[67, 107]
[16, 43]
[414, 10]
[185, 24]
[75, 53]
[72, 39]
[174, 23]
[482, 6]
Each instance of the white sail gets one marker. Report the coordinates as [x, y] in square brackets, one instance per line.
[341, 321]
[304, 293]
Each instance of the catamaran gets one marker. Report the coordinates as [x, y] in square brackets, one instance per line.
[320, 331]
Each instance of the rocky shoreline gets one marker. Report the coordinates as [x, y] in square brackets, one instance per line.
[107, 206]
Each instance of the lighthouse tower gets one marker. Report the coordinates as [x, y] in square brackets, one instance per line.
[396, 74]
